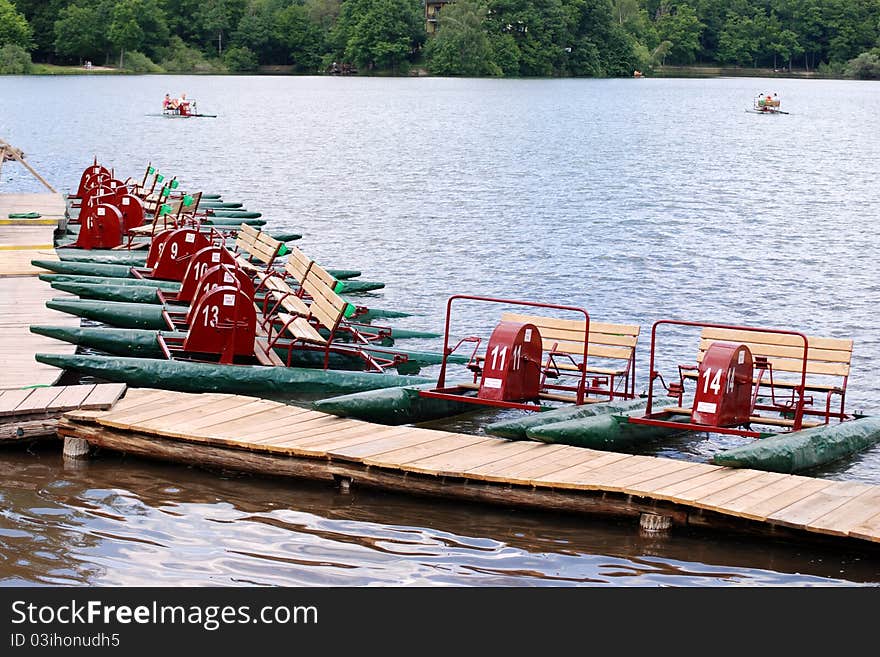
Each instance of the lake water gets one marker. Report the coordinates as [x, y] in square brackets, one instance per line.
[639, 200]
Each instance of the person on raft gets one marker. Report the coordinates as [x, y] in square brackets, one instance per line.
[167, 103]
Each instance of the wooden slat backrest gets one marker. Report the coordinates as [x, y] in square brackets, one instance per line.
[298, 264]
[257, 244]
[193, 206]
[247, 233]
[246, 237]
[327, 307]
[567, 335]
[267, 245]
[825, 356]
[321, 275]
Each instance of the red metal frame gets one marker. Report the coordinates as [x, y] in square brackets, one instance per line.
[457, 393]
[797, 404]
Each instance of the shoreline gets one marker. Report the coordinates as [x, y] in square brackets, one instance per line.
[279, 70]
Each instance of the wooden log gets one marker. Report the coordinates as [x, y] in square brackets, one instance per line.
[209, 456]
[27, 430]
[75, 448]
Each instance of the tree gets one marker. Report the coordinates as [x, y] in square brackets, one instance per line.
[301, 39]
[598, 44]
[378, 33]
[218, 18]
[181, 16]
[151, 19]
[14, 28]
[625, 11]
[785, 45]
[461, 46]
[125, 33]
[240, 59]
[41, 16]
[681, 27]
[257, 32]
[738, 43]
[78, 32]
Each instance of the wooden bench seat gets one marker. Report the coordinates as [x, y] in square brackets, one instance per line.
[256, 250]
[300, 328]
[613, 345]
[281, 295]
[179, 214]
[828, 360]
[326, 312]
[297, 267]
[779, 361]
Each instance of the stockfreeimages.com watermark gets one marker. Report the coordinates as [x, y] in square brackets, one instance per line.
[208, 617]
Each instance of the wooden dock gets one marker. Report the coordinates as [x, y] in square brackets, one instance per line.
[52, 209]
[266, 437]
[22, 295]
[34, 412]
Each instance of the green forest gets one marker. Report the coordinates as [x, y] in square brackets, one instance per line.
[513, 38]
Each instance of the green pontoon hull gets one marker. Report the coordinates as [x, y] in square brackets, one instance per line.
[216, 203]
[189, 376]
[122, 315]
[150, 316]
[73, 229]
[138, 258]
[802, 450]
[233, 214]
[393, 405]
[611, 431]
[78, 268]
[113, 289]
[216, 220]
[119, 293]
[516, 428]
[98, 282]
[145, 344]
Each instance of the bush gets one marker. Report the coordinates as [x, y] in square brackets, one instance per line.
[181, 58]
[864, 67]
[240, 60]
[14, 60]
[831, 69]
[137, 62]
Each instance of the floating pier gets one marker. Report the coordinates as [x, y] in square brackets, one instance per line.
[270, 438]
[22, 295]
[30, 413]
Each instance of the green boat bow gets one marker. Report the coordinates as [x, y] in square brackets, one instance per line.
[191, 376]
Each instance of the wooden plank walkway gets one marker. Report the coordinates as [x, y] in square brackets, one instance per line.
[50, 207]
[19, 244]
[32, 412]
[190, 427]
[23, 303]
[22, 296]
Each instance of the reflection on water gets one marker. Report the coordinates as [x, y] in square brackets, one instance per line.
[594, 193]
[120, 521]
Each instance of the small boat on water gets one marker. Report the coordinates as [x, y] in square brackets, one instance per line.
[530, 363]
[782, 388]
[766, 104]
[183, 108]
